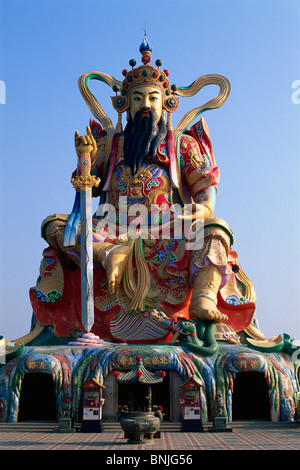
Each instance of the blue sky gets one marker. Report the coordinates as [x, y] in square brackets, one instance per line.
[45, 45]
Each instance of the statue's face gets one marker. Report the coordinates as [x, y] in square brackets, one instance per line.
[144, 98]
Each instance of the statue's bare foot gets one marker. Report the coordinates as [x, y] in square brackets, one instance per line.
[205, 309]
[114, 264]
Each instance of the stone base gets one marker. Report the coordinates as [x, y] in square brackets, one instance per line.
[220, 425]
[220, 429]
[65, 426]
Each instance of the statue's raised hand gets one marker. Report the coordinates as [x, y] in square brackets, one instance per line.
[86, 149]
[86, 144]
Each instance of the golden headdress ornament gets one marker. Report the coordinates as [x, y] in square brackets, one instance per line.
[145, 75]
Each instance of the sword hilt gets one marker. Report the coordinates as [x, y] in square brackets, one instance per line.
[85, 180]
[85, 164]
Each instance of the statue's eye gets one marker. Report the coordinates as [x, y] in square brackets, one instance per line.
[129, 177]
[141, 175]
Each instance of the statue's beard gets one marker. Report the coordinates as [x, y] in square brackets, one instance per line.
[142, 137]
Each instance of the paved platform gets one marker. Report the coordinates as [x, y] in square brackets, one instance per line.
[259, 436]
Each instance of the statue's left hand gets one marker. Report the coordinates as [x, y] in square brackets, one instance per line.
[86, 144]
[192, 212]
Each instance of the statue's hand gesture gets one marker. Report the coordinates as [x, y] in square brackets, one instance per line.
[86, 149]
[85, 144]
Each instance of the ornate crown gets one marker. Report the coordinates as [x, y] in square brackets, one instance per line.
[145, 75]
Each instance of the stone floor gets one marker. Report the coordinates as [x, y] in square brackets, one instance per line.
[263, 436]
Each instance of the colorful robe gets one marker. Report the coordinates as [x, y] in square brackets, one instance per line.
[157, 282]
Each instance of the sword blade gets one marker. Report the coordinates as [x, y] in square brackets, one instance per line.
[86, 241]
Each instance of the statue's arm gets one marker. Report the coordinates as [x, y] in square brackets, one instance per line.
[199, 173]
[207, 197]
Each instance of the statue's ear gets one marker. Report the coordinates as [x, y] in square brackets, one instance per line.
[171, 103]
[120, 103]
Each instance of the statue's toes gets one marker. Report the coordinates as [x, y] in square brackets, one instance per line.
[220, 317]
[211, 315]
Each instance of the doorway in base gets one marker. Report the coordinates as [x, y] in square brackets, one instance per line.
[37, 398]
[137, 391]
[250, 399]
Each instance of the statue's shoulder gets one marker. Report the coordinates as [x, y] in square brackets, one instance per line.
[103, 143]
[198, 136]
[199, 132]
[187, 143]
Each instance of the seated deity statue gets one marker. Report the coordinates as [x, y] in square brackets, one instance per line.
[159, 252]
